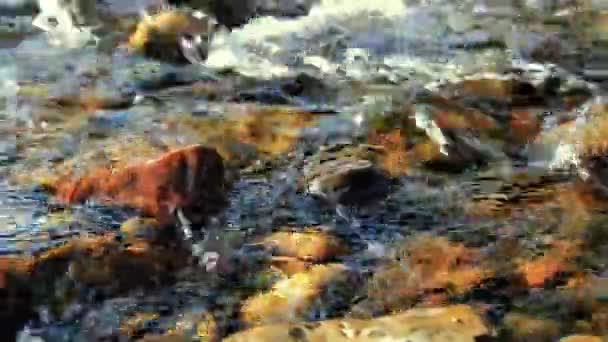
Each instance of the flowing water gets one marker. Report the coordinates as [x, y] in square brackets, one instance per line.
[372, 55]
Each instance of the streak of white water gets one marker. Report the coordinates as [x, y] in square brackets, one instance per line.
[268, 47]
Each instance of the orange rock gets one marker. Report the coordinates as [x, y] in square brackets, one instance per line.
[88, 101]
[426, 264]
[315, 246]
[555, 260]
[103, 261]
[580, 338]
[432, 324]
[273, 131]
[453, 115]
[291, 299]
[13, 265]
[394, 160]
[191, 178]
[441, 263]
[524, 126]
[528, 328]
[290, 265]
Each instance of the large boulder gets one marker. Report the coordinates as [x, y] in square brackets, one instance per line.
[190, 179]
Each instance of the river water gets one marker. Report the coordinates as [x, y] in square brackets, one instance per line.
[371, 57]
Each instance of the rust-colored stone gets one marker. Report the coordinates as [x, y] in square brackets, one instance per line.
[191, 179]
[556, 260]
[427, 265]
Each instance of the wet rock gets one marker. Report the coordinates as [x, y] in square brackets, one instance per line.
[290, 265]
[308, 88]
[519, 85]
[92, 100]
[454, 323]
[263, 95]
[395, 160]
[345, 174]
[581, 338]
[146, 229]
[317, 291]
[313, 245]
[15, 295]
[273, 131]
[462, 137]
[190, 179]
[198, 325]
[105, 263]
[166, 80]
[85, 91]
[424, 265]
[575, 144]
[246, 134]
[587, 295]
[525, 328]
[509, 89]
[192, 324]
[77, 156]
[11, 267]
[138, 324]
[176, 36]
[558, 259]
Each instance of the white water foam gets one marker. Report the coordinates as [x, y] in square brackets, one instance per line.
[388, 31]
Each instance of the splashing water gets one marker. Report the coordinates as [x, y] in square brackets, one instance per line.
[339, 34]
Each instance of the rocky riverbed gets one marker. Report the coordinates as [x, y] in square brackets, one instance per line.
[355, 171]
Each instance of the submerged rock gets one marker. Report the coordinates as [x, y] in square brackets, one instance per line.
[316, 291]
[315, 246]
[423, 266]
[463, 136]
[525, 328]
[345, 174]
[581, 338]
[146, 229]
[558, 259]
[190, 179]
[451, 323]
[15, 296]
[105, 263]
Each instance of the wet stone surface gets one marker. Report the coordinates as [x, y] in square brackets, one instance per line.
[362, 171]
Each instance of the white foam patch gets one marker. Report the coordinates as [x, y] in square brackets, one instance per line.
[266, 46]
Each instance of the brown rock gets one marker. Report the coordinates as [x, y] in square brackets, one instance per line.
[394, 160]
[458, 323]
[191, 179]
[141, 228]
[581, 338]
[291, 299]
[556, 260]
[524, 125]
[524, 328]
[133, 326]
[426, 264]
[290, 265]
[13, 266]
[315, 246]
[158, 36]
[106, 263]
[15, 296]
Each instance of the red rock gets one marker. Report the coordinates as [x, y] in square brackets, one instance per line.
[524, 126]
[191, 178]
